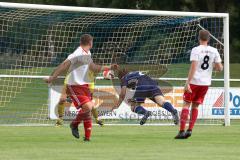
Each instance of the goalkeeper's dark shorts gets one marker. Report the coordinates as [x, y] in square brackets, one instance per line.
[146, 91]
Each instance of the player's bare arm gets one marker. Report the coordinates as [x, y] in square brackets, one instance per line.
[64, 66]
[218, 67]
[99, 68]
[121, 97]
[192, 70]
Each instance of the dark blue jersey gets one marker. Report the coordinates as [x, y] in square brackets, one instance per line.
[145, 87]
[130, 80]
[137, 79]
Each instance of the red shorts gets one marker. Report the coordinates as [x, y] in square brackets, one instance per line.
[80, 94]
[197, 95]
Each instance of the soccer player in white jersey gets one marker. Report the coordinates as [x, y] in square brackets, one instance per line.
[204, 59]
[80, 66]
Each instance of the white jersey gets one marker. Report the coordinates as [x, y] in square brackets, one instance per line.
[206, 57]
[79, 73]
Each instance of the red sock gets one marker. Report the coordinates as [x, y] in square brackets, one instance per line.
[183, 118]
[194, 115]
[78, 118]
[88, 128]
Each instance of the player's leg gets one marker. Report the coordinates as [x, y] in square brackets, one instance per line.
[60, 110]
[137, 108]
[84, 115]
[81, 97]
[95, 115]
[87, 120]
[193, 118]
[94, 109]
[160, 100]
[197, 99]
[188, 99]
[60, 107]
[183, 120]
[138, 98]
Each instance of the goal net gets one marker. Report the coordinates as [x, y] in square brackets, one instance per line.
[34, 39]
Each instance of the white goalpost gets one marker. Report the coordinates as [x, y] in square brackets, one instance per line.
[36, 38]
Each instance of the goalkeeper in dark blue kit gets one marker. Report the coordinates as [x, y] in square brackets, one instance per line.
[145, 87]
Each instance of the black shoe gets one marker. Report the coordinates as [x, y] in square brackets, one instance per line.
[75, 132]
[175, 117]
[59, 122]
[145, 117]
[100, 122]
[180, 135]
[188, 133]
[86, 140]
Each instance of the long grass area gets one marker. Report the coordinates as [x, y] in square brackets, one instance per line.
[120, 143]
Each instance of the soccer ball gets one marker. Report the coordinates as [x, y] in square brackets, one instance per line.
[108, 74]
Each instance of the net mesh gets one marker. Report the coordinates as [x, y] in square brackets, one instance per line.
[33, 42]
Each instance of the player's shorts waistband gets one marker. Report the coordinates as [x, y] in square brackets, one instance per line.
[199, 85]
[79, 85]
[83, 86]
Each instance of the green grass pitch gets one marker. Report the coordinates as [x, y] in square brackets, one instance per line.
[120, 143]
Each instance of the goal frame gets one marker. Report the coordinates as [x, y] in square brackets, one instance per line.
[225, 17]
